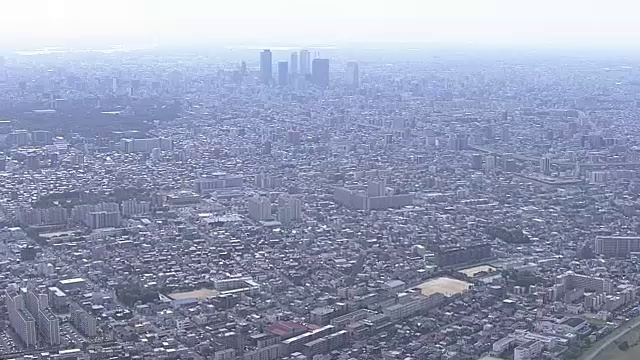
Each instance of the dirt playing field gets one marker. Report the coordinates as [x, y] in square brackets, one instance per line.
[444, 285]
[198, 294]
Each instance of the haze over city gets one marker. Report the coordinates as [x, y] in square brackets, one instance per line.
[455, 22]
[319, 180]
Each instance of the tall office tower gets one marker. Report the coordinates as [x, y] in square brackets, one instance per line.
[294, 63]
[352, 79]
[283, 73]
[266, 63]
[305, 62]
[320, 72]
[545, 165]
[21, 320]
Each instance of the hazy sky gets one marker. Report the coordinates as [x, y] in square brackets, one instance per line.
[265, 22]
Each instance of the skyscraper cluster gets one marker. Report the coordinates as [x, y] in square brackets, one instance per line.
[301, 67]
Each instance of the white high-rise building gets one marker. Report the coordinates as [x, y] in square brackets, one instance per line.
[21, 320]
[259, 208]
[79, 212]
[133, 207]
[103, 219]
[289, 209]
[296, 208]
[284, 214]
[146, 145]
[377, 188]
[48, 323]
[83, 321]
[110, 206]
[28, 312]
[305, 62]
[217, 181]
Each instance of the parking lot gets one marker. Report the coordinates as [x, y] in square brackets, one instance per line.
[7, 344]
[69, 335]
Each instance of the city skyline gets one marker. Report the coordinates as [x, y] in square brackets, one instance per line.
[319, 181]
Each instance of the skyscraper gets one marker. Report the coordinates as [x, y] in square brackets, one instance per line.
[305, 62]
[320, 72]
[294, 63]
[283, 73]
[266, 72]
[352, 79]
[545, 165]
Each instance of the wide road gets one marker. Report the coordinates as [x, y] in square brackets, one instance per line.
[591, 354]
